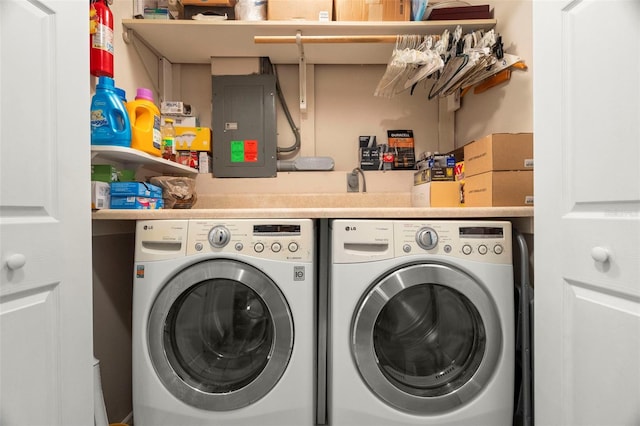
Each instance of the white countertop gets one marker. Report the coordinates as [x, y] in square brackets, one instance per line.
[313, 206]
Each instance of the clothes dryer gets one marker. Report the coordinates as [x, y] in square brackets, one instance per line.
[421, 323]
[223, 323]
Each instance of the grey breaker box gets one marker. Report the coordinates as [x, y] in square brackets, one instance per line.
[244, 125]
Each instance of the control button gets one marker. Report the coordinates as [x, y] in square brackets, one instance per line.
[406, 248]
[198, 246]
[258, 247]
[427, 238]
[276, 247]
[293, 247]
[466, 249]
[482, 249]
[498, 249]
[447, 248]
[239, 246]
[219, 236]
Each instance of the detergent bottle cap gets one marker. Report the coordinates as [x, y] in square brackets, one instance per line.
[143, 93]
[105, 82]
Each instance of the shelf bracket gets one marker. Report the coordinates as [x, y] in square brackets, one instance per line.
[302, 69]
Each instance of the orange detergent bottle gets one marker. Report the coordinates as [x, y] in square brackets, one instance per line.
[144, 116]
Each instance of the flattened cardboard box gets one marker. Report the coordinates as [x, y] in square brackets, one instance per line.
[499, 151]
[499, 189]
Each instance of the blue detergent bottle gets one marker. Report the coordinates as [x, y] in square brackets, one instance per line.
[109, 119]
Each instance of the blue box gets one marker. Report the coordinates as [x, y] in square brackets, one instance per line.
[135, 189]
[136, 203]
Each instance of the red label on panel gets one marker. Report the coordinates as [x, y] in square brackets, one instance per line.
[251, 151]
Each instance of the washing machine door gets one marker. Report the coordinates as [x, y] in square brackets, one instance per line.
[426, 338]
[220, 335]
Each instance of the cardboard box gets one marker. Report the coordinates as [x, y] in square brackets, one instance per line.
[135, 189]
[175, 107]
[499, 189]
[372, 10]
[136, 203]
[301, 10]
[104, 173]
[436, 194]
[204, 162]
[182, 121]
[100, 195]
[193, 139]
[499, 152]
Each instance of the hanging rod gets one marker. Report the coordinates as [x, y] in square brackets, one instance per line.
[330, 39]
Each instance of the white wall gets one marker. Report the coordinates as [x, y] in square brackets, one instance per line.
[508, 107]
[342, 106]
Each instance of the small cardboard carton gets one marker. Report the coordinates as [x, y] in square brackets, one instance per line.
[300, 10]
[104, 173]
[100, 195]
[499, 152]
[436, 194]
[193, 139]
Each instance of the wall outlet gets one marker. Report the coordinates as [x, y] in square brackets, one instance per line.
[353, 183]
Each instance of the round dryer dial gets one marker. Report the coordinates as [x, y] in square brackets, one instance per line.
[219, 236]
[427, 238]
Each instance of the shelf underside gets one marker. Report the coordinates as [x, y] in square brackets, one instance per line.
[196, 42]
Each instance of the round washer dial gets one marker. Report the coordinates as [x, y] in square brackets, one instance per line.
[219, 236]
[427, 238]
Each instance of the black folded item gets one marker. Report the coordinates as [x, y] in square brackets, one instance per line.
[461, 12]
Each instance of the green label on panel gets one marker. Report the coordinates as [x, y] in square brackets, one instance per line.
[237, 151]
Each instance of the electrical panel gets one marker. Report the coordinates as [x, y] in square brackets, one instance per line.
[244, 125]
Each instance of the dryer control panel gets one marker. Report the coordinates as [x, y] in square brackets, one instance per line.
[483, 241]
[283, 240]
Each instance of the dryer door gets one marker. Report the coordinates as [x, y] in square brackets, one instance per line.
[426, 338]
[220, 335]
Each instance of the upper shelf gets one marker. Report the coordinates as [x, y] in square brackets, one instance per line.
[196, 42]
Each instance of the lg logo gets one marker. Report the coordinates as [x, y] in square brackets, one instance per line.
[349, 228]
[147, 227]
[298, 273]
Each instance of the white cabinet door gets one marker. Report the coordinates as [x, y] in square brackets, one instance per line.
[46, 351]
[587, 212]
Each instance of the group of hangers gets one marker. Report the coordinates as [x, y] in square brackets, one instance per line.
[454, 61]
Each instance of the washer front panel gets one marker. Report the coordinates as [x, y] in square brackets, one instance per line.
[220, 335]
[426, 338]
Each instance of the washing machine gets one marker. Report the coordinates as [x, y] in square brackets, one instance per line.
[421, 323]
[223, 323]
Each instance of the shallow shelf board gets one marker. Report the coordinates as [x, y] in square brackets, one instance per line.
[184, 41]
[134, 157]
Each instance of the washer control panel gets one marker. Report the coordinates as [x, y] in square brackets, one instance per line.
[484, 241]
[285, 240]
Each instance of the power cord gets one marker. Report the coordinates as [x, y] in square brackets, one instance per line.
[364, 182]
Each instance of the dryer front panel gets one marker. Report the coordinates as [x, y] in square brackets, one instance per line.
[220, 335]
[426, 338]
